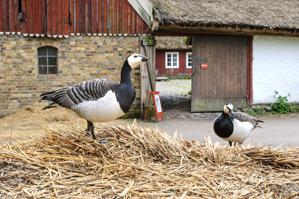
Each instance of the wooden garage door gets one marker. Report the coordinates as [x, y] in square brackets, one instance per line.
[219, 72]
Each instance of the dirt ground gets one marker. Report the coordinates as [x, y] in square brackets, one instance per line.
[33, 121]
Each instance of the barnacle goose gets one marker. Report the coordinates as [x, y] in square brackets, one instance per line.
[98, 100]
[234, 126]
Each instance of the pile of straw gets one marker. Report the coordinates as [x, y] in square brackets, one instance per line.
[138, 162]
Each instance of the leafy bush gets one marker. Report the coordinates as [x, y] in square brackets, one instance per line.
[257, 110]
[281, 105]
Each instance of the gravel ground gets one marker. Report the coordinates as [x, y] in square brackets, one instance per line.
[174, 87]
[176, 101]
[174, 94]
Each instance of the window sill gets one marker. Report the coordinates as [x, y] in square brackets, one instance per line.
[177, 67]
[47, 76]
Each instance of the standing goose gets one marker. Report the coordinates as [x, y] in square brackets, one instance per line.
[234, 126]
[98, 100]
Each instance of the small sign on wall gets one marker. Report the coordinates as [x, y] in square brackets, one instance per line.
[204, 66]
[204, 63]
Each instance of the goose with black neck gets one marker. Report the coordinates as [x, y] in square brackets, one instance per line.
[98, 100]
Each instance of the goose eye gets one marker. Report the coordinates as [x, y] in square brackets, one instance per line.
[135, 56]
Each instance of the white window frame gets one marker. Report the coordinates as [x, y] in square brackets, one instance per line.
[178, 60]
[187, 55]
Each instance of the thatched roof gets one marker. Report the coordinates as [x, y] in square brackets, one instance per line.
[172, 43]
[268, 15]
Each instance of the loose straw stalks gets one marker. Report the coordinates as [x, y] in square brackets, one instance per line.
[141, 162]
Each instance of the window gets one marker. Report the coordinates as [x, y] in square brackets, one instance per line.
[189, 60]
[47, 60]
[172, 60]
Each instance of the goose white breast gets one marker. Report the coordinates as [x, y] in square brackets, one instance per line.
[104, 109]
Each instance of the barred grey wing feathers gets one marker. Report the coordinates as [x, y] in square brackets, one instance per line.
[86, 91]
[243, 117]
[93, 89]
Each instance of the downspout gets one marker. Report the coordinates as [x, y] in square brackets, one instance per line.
[147, 67]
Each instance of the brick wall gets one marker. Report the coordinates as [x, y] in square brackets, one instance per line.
[79, 58]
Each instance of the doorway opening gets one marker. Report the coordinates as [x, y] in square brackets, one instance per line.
[173, 72]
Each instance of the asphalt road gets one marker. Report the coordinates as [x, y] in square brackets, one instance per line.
[275, 131]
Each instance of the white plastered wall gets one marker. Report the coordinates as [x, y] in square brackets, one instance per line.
[275, 68]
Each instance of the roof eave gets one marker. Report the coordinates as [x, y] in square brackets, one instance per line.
[190, 29]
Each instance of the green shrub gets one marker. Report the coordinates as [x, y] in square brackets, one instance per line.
[281, 105]
[256, 110]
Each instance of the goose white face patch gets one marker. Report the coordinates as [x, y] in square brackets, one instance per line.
[230, 106]
[104, 109]
[225, 109]
[134, 60]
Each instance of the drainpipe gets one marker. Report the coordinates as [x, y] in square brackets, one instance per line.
[147, 67]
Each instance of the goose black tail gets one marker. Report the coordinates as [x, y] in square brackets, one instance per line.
[257, 125]
[58, 97]
[46, 96]
[51, 105]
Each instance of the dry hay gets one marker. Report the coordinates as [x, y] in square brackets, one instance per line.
[139, 162]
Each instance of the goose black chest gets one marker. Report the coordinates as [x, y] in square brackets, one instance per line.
[125, 95]
[223, 126]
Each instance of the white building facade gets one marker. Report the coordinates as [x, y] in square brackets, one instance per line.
[275, 67]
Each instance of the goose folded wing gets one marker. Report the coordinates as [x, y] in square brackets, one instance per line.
[86, 91]
[243, 117]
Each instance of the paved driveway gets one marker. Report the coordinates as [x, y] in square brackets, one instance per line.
[275, 131]
[33, 122]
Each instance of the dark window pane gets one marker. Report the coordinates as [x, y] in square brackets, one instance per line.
[42, 61]
[47, 60]
[52, 70]
[42, 70]
[52, 51]
[52, 61]
[42, 51]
